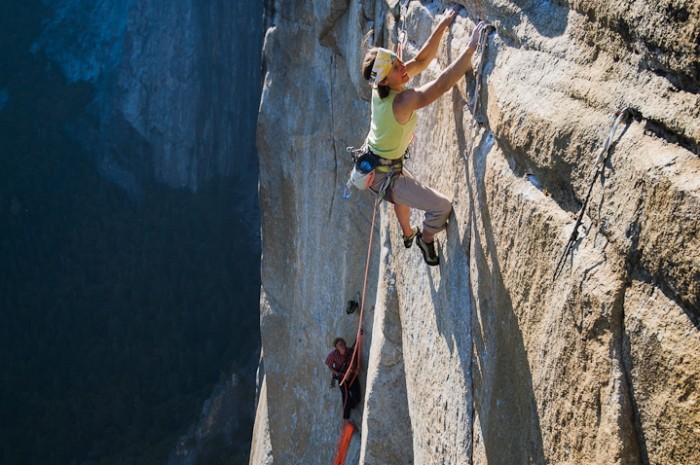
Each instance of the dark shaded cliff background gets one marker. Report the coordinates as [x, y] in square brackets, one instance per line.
[129, 230]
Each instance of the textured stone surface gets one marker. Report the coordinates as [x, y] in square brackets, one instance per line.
[261, 449]
[386, 438]
[662, 354]
[487, 359]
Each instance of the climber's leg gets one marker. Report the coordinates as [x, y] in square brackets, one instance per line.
[355, 394]
[403, 214]
[407, 191]
[347, 401]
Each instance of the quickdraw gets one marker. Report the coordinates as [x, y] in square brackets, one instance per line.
[481, 47]
[403, 33]
[473, 104]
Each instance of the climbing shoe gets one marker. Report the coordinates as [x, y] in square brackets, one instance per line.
[408, 241]
[428, 250]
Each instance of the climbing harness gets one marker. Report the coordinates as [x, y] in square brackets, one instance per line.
[473, 104]
[598, 168]
[365, 164]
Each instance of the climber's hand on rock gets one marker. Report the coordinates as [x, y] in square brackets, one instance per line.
[475, 35]
[448, 18]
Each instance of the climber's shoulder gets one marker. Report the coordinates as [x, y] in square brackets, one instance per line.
[413, 99]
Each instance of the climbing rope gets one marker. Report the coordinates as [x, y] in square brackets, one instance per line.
[598, 168]
[473, 104]
[354, 367]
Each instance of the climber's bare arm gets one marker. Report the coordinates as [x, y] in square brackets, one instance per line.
[414, 99]
[429, 50]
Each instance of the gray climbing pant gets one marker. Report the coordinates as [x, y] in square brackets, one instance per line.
[405, 190]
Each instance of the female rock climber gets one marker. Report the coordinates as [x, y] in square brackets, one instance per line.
[394, 119]
[338, 361]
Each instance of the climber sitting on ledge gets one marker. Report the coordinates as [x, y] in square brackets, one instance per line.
[394, 119]
[338, 361]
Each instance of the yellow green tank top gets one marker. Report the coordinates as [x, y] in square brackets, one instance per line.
[387, 137]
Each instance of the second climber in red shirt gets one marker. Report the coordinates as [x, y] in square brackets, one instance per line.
[338, 361]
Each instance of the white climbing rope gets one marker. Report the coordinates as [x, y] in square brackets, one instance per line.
[605, 149]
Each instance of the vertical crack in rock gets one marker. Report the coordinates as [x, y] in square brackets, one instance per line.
[333, 73]
[626, 359]
[661, 363]
[387, 434]
[472, 350]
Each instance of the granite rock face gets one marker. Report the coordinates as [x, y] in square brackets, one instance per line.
[489, 358]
